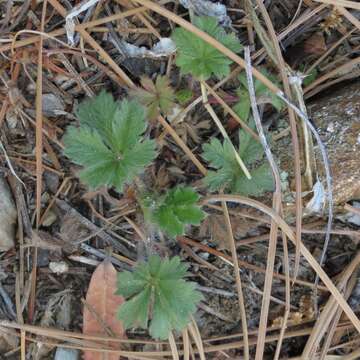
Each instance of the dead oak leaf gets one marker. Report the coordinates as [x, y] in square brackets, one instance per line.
[100, 312]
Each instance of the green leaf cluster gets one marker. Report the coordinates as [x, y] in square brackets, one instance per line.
[157, 290]
[174, 210]
[109, 144]
[197, 57]
[262, 93]
[157, 97]
[228, 175]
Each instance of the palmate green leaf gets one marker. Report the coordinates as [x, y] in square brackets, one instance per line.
[164, 301]
[176, 209]
[197, 57]
[262, 93]
[98, 114]
[157, 97]
[228, 175]
[260, 182]
[109, 144]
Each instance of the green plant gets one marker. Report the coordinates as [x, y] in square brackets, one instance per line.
[157, 97]
[310, 77]
[156, 290]
[183, 96]
[263, 95]
[197, 57]
[109, 144]
[174, 210]
[228, 176]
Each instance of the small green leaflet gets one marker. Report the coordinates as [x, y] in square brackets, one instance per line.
[197, 57]
[156, 291]
[263, 95]
[174, 210]
[310, 77]
[228, 176]
[183, 96]
[157, 97]
[109, 143]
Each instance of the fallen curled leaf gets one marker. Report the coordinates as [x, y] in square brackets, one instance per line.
[214, 226]
[100, 310]
[315, 44]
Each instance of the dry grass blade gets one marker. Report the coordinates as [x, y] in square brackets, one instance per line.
[237, 280]
[173, 347]
[195, 333]
[287, 298]
[343, 3]
[68, 342]
[231, 111]
[329, 311]
[331, 332]
[221, 128]
[293, 129]
[186, 343]
[276, 205]
[182, 145]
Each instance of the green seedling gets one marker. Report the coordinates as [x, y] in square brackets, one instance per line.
[158, 97]
[174, 210]
[197, 57]
[263, 95]
[158, 297]
[109, 142]
[228, 176]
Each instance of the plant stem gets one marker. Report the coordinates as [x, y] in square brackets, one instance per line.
[218, 123]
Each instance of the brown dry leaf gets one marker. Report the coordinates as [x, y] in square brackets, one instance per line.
[315, 44]
[214, 226]
[102, 301]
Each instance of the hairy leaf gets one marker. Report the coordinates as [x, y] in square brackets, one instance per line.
[197, 57]
[176, 209]
[160, 298]
[109, 143]
[228, 175]
[158, 97]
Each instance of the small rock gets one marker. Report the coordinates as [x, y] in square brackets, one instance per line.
[66, 354]
[49, 219]
[8, 216]
[59, 267]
